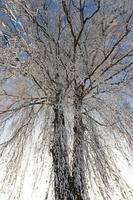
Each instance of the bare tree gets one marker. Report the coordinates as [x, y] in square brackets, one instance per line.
[66, 53]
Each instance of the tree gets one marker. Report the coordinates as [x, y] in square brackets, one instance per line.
[66, 53]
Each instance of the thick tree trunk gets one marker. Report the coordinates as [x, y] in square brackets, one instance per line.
[78, 159]
[68, 186]
[60, 156]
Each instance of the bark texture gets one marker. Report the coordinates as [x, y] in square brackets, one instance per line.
[60, 156]
[78, 156]
[68, 185]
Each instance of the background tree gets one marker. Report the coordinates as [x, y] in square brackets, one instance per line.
[63, 55]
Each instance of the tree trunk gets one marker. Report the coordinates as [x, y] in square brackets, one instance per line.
[60, 156]
[68, 186]
[78, 160]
